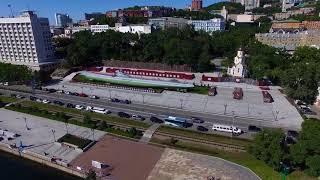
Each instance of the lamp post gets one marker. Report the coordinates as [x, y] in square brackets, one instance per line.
[225, 108]
[25, 121]
[92, 130]
[233, 118]
[181, 103]
[276, 117]
[53, 133]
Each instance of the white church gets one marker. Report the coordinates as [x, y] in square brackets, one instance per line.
[239, 69]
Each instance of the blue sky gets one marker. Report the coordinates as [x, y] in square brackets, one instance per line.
[76, 8]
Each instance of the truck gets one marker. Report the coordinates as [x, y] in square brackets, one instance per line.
[237, 93]
[267, 98]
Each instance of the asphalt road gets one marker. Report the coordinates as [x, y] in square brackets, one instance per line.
[147, 110]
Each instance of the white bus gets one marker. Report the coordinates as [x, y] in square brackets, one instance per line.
[97, 110]
[226, 128]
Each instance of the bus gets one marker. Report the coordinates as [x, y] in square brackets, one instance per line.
[98, 110]
[175, 121]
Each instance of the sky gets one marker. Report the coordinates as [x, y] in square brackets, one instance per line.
[77, 8]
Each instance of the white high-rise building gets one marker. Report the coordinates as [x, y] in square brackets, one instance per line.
[26, 40]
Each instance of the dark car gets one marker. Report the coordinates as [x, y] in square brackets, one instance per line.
[32, 98]
[69, 105]
[125, 101]
[58, 103]
[83, 95]
[156, 120]
[254, 128]
[202, 128]
[52, 90]
[197, 120]
[115, 100]
[75, 94]
[13, 95]
[123, 115]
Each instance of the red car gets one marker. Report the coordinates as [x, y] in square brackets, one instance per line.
[83, 95]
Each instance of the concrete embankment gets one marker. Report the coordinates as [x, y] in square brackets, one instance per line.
[39, 159]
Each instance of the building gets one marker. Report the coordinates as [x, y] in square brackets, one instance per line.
[248, 4]
[290, 41]
[244, 18]
[209, 26]
[168, 22]
[148, 11]
[62, 20]
[239, 68]
[95, 15]
[294, 26]
[196, 5]
[69, 31]
[99, 28]
[300, 11]
[139, 29]
[26, 40]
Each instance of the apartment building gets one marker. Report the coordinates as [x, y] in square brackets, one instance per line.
[26, 40]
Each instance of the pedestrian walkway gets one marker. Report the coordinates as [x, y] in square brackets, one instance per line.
[147, 135]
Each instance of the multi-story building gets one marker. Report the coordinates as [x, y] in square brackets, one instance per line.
[168, 22]
[139, 29]
[99, 28]
[69, 31]
[154, 11]
[196, 5]
[216, 24]
[26, 40]
[62, 20]
[290, 41]
[248, 4]
[288, 14]
[294, 26]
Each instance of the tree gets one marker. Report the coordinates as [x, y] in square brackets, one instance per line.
[87, 119]
[268, 146]
[305, 154]
[91, 175]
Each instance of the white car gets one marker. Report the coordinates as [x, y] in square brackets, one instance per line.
[19, 96]
[79, 107]
[38, 100]
[60, 91]
[93, 97]
[67, 92]
[45, 101]
[6, 83]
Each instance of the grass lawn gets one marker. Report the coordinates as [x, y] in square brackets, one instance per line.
[204, 136]
[6, 99]
[200, 90]
[110, 119]
[75, 140]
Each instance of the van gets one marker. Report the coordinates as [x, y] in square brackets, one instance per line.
[226, 128]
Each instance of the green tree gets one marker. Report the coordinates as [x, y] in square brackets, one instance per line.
[87, 119]
[305, 154]
[268, 146]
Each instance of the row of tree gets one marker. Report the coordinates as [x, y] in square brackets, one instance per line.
[271, 147]
[14, 73]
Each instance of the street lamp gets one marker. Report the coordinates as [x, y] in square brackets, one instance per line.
[276, 117]
[181, 103]
[53, 133]
[25, 121]
[143, 98]
[66, 124]
[225, 108]
[233, 118]
[92, 130]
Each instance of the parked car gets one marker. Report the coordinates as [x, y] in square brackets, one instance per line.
[202, 128]
[68, 92]
[60, 91]
[69, 105]
[79, 107]
[39, 100]
[156, 120]
[58, 103]
[254, 128]
[19, 96]
[124, 115]
[32, 98]
[125, 101]
[83, 95]
[292, 136]
[13, 95]
[6, 83]
[138, 117]
[45, 101]
[94, 97]
[52, 90]
[115, 100]
[197, 120]
[75, 94]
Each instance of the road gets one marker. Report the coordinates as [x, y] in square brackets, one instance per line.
[146, 110]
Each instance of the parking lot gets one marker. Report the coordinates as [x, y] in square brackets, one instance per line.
[280, 113]
[38, 135]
